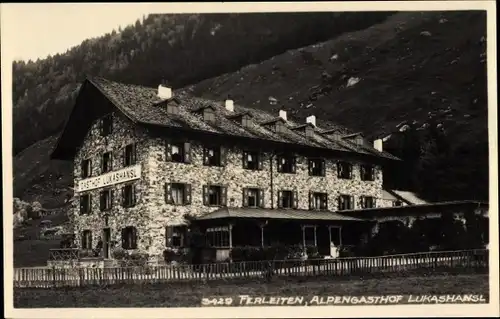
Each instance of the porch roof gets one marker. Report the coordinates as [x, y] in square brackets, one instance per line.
[266, 213]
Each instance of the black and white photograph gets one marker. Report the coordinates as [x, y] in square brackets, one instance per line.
[323, 159]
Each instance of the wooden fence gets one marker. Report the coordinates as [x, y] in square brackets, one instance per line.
[64, 277]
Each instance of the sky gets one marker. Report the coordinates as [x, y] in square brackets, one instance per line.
[37, 30]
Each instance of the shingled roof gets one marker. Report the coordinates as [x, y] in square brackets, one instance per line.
[140, 104]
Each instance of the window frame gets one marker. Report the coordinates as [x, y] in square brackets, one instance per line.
[367, 172]
[86, 238]
[256, 160]
[108, 164]
[129, 235]
[290, 162]
[323, 198]
[88, 206]
[341, 165]
[129, 200]
[322, 166]
[109, 200]
[350, 201]
[130, 159]
[106, 123]
[86, 168]
[218, 153]
[186, 193]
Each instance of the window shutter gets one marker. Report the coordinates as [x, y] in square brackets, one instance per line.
[223, 156]
[168, 193]
[311, 200]
[100, 127]
[168, 236]
[260, 160]
[134, 153]
[102, 164]
[280, 202]
[101, 201]
[351, 202]
[82, 169]
[187, 194]
[374, 200]
[323, 167]
[349, 167]
[339, 203]
[187, 152]
[205, 156]
[89, 208]
[325, 199]
[90, 167]
[339, 170]
[245, 197]
[362, 201]
[124, 202]
[261, 198]
[294, 164]
[205, 195]
[372, 173]
[279, 164]
[310, 167]
[111, 198]
[110, 161]
[244, 159]
[295, 199]
[123, 155]
[82, 205]
[134, 195]
[124, 239]
[168, 151]
[223, 197]
[134, 238]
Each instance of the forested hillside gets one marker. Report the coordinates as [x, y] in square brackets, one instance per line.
[422, 75]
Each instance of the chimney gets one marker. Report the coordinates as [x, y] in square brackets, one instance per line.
[229, 104]
[311, 119]
[378, 144]
[283, 114]
[164, 92]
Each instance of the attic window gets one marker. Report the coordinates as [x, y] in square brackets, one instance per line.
[279, 127]
[245, 121]
[359, 140]
[309, 131]
[172, 108]
[209, 115]
[106, 125]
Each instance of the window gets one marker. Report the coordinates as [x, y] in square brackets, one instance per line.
[212, 156]
[367, 173]
[286, 164]
[106, 162]
[86, 239]
[280, 127]
[318, 201]
[130, 155]
[245, 121]
[174, 236]
[214, 195]
[178, 194]
[128, 195]
[85, 204]
[344, 170]
[251, 160]
[106, 200]
[129, 237]
[397, 203]
[253, 197]
[309, 131]
[172, 108]
[209, 115]
[217, 237]
[317, 167]
[367, 202]
[178, 152]
[106, 125]
[287, 199]
[86, 168]
[346, 202]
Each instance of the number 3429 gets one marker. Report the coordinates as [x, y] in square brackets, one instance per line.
[216, 301]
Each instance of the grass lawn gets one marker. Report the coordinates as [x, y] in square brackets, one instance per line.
[190, 294]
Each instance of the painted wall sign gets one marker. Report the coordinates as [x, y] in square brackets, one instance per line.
[120, 176]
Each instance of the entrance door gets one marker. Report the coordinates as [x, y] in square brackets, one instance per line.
[106, 245]
[323, 240]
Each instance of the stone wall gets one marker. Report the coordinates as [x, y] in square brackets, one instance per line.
[151, 214]
[235, 178]
[93, 147]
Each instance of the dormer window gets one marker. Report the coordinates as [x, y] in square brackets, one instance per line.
[309, 131]
[245, 121]
[279, 127]
[209, 115]
[172, 108]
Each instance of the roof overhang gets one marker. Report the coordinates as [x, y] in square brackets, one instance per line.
[277, 214]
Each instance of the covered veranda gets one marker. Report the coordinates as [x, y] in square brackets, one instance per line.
[228, 228]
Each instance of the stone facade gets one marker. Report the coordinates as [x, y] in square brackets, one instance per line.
[151, 214]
